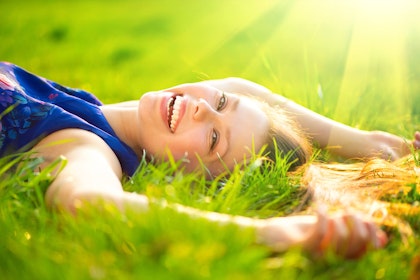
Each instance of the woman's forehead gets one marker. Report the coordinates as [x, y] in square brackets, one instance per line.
[249, 126]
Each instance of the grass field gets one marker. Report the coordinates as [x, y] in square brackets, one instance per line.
[354, 61]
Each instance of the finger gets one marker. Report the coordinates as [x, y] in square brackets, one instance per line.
[378, 237]
[328, 239]
[383, 238]
[416, 142]
[336, 236]
[320, 237]
[322, 223]
[360, 237]
[359, 228]
[373, 239]
[342, 226]
[342, 240]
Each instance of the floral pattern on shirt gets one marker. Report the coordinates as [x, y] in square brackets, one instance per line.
[18, 112]
[6, 83]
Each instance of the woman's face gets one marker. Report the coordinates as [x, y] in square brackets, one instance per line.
[197, 123]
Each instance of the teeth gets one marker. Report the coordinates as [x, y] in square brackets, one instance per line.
[173, 106]
[168, 107]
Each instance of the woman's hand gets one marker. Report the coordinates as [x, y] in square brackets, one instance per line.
[390, 146]
[347, 234]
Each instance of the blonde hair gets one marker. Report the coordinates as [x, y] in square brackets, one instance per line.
[361, 185]
[286, 137]
[364, 186]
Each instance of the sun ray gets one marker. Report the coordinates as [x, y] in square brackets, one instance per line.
[376, 61]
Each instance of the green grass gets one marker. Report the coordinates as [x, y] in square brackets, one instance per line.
[354, 61]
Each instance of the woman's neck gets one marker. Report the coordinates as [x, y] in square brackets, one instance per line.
[123, 118]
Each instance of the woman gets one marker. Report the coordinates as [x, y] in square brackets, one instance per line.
[202, 124]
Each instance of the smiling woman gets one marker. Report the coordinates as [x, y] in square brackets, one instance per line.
[201, 125]
[211, 124]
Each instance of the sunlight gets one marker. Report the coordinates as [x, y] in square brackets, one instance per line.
[387, 13]
[384, 7]
[377, 59]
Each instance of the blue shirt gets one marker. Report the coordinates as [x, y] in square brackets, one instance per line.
[31, 107]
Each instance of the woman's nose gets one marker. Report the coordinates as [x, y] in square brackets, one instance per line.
[202, 110]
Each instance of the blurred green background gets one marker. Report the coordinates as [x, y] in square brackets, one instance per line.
[355, 61]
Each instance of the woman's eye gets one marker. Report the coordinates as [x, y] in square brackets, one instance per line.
[214, 139]
[222, 102]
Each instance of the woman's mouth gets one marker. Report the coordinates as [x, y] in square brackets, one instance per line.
[173, 107]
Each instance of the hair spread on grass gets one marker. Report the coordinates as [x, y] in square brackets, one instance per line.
[374, 187]
[367, 186]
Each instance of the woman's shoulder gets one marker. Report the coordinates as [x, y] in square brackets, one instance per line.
[70, 137]
[73, 141]
[78, 148]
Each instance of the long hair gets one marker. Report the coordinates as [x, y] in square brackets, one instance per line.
[363, 185]
[366, 186]
[285, 136]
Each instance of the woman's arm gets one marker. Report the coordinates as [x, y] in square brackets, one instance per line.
[92, 172]
[92, 175]
[347, 141]
[341, 139]
[346, 234]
